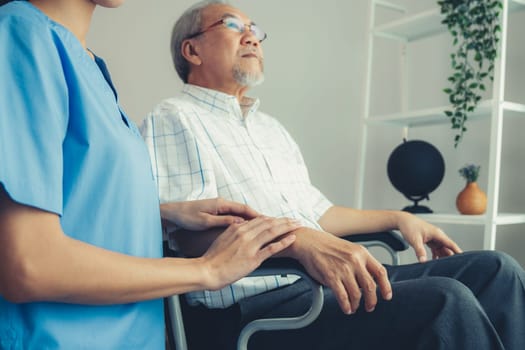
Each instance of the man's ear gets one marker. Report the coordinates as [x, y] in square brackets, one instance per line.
[189, 52]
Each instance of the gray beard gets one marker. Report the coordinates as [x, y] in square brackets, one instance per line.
[247, 78]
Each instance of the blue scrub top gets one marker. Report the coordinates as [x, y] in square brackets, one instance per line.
[66, 147]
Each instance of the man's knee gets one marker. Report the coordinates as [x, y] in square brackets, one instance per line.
[497, 257]
[434, 297]
[450, 291]
[460, 321]
[505, 261]
[497, 265]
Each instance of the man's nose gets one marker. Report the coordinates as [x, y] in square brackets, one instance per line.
[248, 38]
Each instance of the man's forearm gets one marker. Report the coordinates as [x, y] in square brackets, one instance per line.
[306, 239]
[342, 221]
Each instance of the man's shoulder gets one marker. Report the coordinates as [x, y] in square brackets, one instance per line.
[268, 120]
[172, 106]
[169, 113]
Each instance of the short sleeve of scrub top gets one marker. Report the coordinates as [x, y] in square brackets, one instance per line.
[33, 115]
[66, 147]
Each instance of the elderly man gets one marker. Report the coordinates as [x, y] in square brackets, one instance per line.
[211, 141]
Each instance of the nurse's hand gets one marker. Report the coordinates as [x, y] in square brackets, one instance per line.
[243, 247]
[203, 214]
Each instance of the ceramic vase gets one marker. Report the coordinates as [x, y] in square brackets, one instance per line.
[471, 200]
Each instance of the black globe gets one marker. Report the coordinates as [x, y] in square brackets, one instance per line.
[416, 168]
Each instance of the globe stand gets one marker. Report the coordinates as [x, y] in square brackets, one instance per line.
[416, 208]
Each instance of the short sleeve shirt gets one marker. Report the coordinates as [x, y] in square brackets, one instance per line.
[66, 147]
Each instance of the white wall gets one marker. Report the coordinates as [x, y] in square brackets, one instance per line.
[315, 68]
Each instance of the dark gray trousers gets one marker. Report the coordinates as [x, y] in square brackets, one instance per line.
[474, 300]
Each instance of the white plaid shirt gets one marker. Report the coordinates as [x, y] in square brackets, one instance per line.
[204, 144]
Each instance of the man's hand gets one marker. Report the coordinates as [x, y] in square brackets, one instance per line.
[347, 268]
[418, 232]
[244, 246]
[203, 214]
[343, 221]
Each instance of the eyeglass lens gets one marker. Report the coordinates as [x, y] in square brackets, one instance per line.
[238, 25]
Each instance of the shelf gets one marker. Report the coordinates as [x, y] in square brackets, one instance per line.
[409, 26]
[424, 24]
[436, 115]
[414, 27]
[458, 219]
[517, 5]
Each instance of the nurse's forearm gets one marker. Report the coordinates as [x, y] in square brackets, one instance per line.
[39, 262]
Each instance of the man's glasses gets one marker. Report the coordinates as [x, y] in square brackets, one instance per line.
[235, 24]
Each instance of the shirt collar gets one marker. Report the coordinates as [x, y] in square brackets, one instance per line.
[221, 103]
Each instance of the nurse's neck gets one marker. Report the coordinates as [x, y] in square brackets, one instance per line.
[75, 15]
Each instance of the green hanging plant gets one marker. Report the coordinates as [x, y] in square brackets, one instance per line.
[475, 29]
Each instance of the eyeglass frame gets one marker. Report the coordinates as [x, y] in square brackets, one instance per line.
[221, 21]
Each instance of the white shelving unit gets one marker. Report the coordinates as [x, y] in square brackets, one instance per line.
[426, 24]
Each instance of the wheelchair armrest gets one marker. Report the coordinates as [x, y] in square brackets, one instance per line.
[283, 266]
[280, 266]
[270, 267]
[390, 238]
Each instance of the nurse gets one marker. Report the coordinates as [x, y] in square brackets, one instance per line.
[80, 230]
